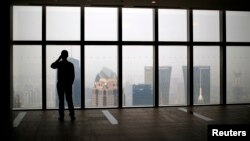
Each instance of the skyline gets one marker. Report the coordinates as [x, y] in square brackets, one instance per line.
[173, 97]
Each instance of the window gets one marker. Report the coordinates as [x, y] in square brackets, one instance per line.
[132, 59]
[237, 26]
[99, 22]
[238, 74]
[101, 76]
[206, 75]
[27, 23]
[206, 25]
[137, 24]
[172, 75]
[27, 77]
[172, 25]
[63, 23]
[137, 76]
[52, 54]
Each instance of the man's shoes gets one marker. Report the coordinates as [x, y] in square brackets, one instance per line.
[61, 119]
[73, 118]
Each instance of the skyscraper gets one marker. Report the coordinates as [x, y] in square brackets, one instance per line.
[237, 88]
[148, 75]
[104, 93]
[76, 87]
[142, 94]
[128, 94]
[201, 86]
[164, 82]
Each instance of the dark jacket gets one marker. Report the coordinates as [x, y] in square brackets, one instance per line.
[65, 72]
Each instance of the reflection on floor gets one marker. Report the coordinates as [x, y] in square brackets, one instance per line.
[137, 124]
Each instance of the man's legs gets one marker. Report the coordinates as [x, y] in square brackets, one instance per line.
[60, 91]
[68, 92]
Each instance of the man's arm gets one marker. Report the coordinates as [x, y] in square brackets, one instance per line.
[55, 64]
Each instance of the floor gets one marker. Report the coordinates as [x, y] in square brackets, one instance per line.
[131, 124]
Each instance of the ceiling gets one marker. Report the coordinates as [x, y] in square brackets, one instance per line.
[194, 4]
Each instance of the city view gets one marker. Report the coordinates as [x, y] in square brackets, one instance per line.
[104, 91]
[100, 71]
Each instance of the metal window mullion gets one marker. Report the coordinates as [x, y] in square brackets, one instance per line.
[120, 91]
[44, 88]
[156, 60]
[223, 67]
[82, 50]
[190, 58]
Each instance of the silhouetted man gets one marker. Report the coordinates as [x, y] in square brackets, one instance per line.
[65, 79]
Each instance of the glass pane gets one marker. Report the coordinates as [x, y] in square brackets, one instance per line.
[206, 25]
[101, 76]
[101, 24]
[137, 24]
[237, 24]
[206, 75]
[27, 76]
[53, 52]
[172, 25]
[27, 23]
[137, 76]
[238, 74]
[172, 74]
[63, 23]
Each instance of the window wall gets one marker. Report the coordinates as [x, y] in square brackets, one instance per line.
[172, 25]
[131, 57]
[137, 76]
[52, 54]
[27, 59]
[63, 23]
[101, 77]
[238, 77]
[237, 26]
[206, 25]
[27, 23]
[206, 75]
[137, 24]
[27, 76]
[237, 30]
[172, 75]
[99, 22]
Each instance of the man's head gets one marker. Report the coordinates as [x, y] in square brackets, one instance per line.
[64, 54]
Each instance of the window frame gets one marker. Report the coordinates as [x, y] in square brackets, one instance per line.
[222, 43]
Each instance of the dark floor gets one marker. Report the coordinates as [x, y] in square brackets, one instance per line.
[137, 124]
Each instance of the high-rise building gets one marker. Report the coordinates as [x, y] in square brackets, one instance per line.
[201, 85]
[142, 94]
[237, 88]
[164, 82]
[201, 78]
[127, 94]
[148, 75]
[104, 93]
[76, 87]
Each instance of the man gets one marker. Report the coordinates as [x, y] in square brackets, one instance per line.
[65, 79]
